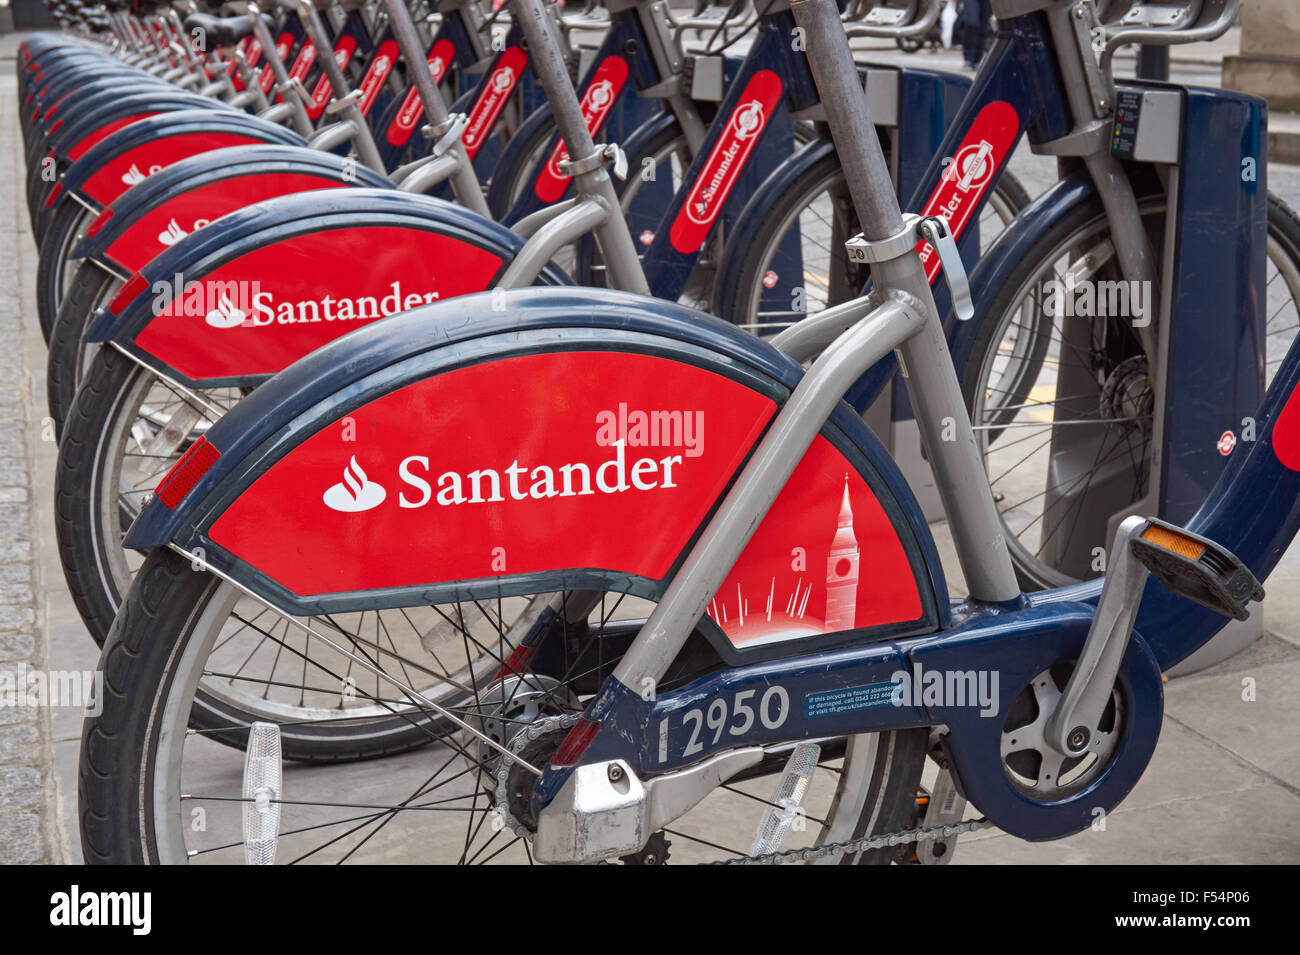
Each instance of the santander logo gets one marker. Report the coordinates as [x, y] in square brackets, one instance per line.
[746, 123]
[496, 90]
[356, 492]
[968, 176]
[172, 234]
[225, 315]
[731, 151]
[597, 101]
[134, 176]
[634, 454]
[412, 109]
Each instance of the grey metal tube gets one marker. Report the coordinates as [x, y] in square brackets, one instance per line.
[362, 139]
[807, 338]
[547, 61]
[464, 182]
[298, 110]
[762, 479]
[932, 386]
[1132, 249]
[577, 220]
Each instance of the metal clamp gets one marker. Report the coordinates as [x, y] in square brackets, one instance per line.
[294, 86]
[932, 229]
[861, 249]
[447, 133]
[610, 152]
[339, 105]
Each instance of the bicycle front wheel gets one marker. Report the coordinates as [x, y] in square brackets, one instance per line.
[151, 792]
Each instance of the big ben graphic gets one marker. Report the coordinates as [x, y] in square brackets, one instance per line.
[842, 571]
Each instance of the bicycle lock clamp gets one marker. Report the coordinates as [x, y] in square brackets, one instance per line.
[609, 152]
[932, 229]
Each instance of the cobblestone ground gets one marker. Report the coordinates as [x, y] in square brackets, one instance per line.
[25, 764]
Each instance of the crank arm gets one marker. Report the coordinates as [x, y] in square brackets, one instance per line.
[1189, 565]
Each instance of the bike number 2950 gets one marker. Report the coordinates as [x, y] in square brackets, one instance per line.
[736, 716]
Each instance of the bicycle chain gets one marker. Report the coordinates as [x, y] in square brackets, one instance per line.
[887, 840]
[532, 731]
[854, 846]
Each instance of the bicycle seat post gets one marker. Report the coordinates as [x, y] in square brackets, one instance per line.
[593, 183]
[344, 106]
[931, 381]
[463, 179]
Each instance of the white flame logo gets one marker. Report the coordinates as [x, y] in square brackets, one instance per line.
[133, 176]
[355, 492]
[172, 234]
[225, 315]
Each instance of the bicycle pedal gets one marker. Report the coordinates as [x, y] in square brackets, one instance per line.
[1197, 568]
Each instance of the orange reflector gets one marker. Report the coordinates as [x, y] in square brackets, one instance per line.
[1180, 545]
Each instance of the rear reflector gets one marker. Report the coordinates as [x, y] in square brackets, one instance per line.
[185, 473]
[137, 284]
[576, 743]
[101, 220]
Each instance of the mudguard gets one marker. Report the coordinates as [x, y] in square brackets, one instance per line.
[157, 213]
[75, 86]
[79, 129]
[242, 298]
[132, 154]
[345, 448]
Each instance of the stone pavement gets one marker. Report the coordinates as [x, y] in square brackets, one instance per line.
[28, 822]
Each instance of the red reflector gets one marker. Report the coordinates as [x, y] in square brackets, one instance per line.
[576, 743]
[101, 220]
[515, 664]
[54, 195]
[186, 472]
[129, 291]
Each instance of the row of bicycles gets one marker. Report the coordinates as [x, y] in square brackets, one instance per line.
[443, 392]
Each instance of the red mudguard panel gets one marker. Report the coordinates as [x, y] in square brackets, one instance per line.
[267, 308]
[602, 460]
[168, 222]
[135, 165]
[102, 133]
[825, 559]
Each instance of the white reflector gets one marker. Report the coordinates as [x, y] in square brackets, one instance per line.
[261, 793]
[788, 796]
